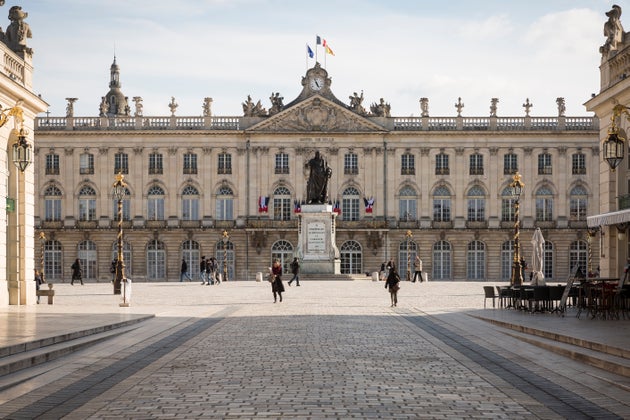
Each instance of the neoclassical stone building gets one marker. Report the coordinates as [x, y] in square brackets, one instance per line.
[232, 186]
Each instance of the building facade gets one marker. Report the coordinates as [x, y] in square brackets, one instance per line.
[232, 186]
[19, 106]
[609, 224]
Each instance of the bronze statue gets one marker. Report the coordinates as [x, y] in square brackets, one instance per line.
[317, 185]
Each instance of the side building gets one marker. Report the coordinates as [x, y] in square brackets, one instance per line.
[232, 186]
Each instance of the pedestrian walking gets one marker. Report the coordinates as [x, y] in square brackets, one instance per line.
[39, 280]
[383, 274]
[112, 269]
[212, 271]
[184, 271]
[77, 273]
[390, 265]
[276, 281]
[393, 283]
[417, 266]
[295, 269]
[203, 270]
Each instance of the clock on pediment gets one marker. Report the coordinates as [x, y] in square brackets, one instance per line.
[316, 79]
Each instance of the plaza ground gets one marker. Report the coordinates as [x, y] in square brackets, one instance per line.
[331, 349]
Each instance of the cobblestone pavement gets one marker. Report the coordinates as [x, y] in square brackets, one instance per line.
[329, 350]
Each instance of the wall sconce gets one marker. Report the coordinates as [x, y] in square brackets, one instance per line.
[22, 150]
[614, 143]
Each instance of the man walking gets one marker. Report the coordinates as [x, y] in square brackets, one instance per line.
[184, 271]
[295, 269]
[203, 266]
[417, 266]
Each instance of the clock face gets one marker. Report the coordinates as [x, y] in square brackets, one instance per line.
[317, 83]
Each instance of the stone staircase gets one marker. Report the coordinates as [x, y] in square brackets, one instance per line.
[601, 355]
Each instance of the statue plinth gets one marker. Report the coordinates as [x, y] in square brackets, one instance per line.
[317, 249]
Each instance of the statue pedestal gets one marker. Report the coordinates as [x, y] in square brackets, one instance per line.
[317, 249]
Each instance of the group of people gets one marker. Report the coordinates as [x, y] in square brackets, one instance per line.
[208, 271]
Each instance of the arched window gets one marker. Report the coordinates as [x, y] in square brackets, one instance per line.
[53, 260]
[52, 203]
[282, 251]
[442, 205]
[408, 204]
[548, 257]
[441, 260]
[350, 204]
[544, 205]
[507, 205]
[87, 203]
[155, 203]
[476, 261]
[126, 210]
[156, 260]
[578, 256]
[281, 204]
[88, 258]
[225, 203]
[407, 251]
[507, 259]
[578, 204]
[351, 258]
[224, 252]
[190, 253]
[126, 256]
[476, 204]
[190, 203]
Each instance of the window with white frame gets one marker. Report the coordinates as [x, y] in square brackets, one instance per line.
[52, 164]
[190, 203]
[476, 164]
[155, 203]
[351, 164]
[476, 204]
[156, 260]
[441, 164]
[88, 259]
[282, 204]
[578, 256]
[442, 255]
[190, 163]
[121, 163]
[507, 255]
[578, 164]
[510, 164]
[282, 163]
[350, 204]
[476, 261]
[156, 164]
[351, 258]
[407, 164]
[507, 205]
[578, 204]
[544, 205]
[544, 164]
[225, 163]
[408, 204]
[53, 260]
[87, 203]
[441, 205]
[126, 207]
[52, 204]
[86, 164]
[225, 204]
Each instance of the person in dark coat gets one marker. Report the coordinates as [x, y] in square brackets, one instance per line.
[184, 271]
[39, 280]
[295, 269]
[76, 272]
[276, 280]
[393, 283]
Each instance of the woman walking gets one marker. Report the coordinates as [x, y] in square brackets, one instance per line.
[276, 280]
[76, 272]
[393, 283]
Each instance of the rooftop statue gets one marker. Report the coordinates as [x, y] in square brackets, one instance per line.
[276, 103]
[18, 31]
[382, 109]
[251, 110]
[613, 31]
[356, 103]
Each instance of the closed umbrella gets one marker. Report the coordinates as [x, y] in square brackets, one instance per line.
[538, 278]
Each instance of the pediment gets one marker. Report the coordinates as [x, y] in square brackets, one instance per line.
[317, 114]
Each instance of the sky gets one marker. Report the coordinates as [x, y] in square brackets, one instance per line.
[398, 50]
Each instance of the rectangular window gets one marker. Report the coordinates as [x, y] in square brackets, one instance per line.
[407, 164]
[225, 163]
[544, 164]
[282, 163]
[476, 164]
[52, 164]
[155, 164]
[579, 164]
[281, 208]
[121, 163]
[190, 163]
[510, 164]
[441, 164]
[350, 164]
[87, 209]
[86, 164]
[53, 209]
[224, 209]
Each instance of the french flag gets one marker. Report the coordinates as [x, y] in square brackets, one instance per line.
[336, 208]
[297, 208]
[369, 204]
[263, 204]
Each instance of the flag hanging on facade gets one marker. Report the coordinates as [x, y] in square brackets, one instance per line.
[309, 51]
[263, 204]
[297, 208]
[337, 209]
[369, 204]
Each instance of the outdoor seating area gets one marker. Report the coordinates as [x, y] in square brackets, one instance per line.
[600, 298]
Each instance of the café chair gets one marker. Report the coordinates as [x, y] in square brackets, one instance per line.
[489, 294]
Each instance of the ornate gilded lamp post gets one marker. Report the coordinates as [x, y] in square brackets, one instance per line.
[516, 188]
[42, 241]
[226, 239]
[408, 235]
[118, 191]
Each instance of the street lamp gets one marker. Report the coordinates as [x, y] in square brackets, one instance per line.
[226, 239]
[516, 189]
[119, 189]
[42, 240]
[614, 143]
[408, 235]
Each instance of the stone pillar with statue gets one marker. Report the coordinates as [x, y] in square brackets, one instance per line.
[317, 247]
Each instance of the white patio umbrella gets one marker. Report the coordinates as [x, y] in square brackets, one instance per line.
[538, 278]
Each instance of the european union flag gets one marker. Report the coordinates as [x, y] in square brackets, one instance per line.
[310, 52]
